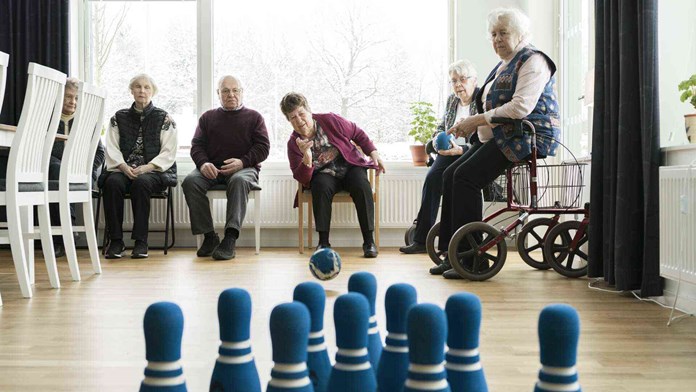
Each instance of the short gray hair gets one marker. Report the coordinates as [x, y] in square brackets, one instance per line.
[72, 83]
[146, 77]
[223, 77]
[463, 67]
[513, 19]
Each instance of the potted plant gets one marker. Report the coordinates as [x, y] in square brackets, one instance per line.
[424, 124]
[688, 89]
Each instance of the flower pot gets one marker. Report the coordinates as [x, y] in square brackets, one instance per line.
[690, 125]
[418, 155]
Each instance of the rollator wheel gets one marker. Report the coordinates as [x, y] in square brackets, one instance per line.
[464, 248]
[530, 242]
[410, 234]
[431, 244]
[571, 263]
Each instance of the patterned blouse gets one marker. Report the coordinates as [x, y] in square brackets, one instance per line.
[326, 158]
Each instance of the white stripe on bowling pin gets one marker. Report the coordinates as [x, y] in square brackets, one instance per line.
[164, 381]
[373, 330]
[558, 371]
[235, 360]
[289, 368]
[460, 367]
[312, 348]
[350, 367]
[396, 336]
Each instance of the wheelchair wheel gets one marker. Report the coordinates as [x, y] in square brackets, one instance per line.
[531, 239]
[464, 247]
[571, 263]
[410, 233]
[431, 244]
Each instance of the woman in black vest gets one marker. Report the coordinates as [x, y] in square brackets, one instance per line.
[141, 149]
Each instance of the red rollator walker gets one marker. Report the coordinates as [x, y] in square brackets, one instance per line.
[477, 250]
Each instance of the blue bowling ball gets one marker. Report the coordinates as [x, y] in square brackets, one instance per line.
[443, 141]
[325, 264]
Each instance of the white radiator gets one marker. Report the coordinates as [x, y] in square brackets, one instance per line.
[678, 230]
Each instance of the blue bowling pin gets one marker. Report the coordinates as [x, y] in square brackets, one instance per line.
[393, 364]
[366, 284]
[464, 370]
[163, 325]
[427, 331]
[559, 331]
[235, 369]
[313, 296]
[352, 371]
[289, 334]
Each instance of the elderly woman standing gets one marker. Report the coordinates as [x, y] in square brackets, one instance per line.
[141, 149]
[460, 105]
[522, 85]
[323, 156]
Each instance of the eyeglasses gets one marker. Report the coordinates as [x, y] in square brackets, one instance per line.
[234, 91]
[462, 80]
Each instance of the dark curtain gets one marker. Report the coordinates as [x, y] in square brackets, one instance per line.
[624, 226]
[31, 31]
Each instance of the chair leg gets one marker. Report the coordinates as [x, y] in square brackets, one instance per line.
[27, 214]
[14, 228]
[310, 221]
[257, 221]
[96, 217]
[91, 233]
[171, 217]
[47, 245]
[166, 221]
[300, 223]
[69, 240]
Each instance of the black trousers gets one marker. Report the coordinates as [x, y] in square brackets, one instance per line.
[54, 210]
[325, 186]
[115, 188]
[432, 191]
[463, 181]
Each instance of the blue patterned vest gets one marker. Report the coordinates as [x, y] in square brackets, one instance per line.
[545, 115]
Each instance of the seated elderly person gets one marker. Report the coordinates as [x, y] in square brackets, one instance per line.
[460, 105]
[229, 144]
[64, 126]
[323, 157]
[522, 85]
[141, 146]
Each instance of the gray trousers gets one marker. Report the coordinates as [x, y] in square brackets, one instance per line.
[238, 186]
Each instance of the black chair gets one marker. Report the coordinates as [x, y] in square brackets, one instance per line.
[169, 220]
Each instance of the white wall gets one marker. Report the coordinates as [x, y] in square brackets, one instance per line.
[677, 57]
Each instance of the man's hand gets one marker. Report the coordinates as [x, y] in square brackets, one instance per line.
[142, 169]
[128, 171]
[209, 171]
[231, 166]
[376, 159]
[467, 126]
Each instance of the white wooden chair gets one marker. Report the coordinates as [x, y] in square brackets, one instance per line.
[220, 192]
[305, 196]
[27, 172]
[75, 183]
[4, 62]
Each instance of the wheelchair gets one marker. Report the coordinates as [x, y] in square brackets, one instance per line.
[478, 250]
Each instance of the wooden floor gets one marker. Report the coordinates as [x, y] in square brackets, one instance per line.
[87, 336]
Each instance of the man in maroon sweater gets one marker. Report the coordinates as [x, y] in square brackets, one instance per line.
[229, 144]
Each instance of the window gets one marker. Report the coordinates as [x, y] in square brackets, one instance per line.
[156, 37]
[365, 60]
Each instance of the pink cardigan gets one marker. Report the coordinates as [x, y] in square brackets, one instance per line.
[341, 133]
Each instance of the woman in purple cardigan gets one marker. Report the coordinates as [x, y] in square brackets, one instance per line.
[323, 157]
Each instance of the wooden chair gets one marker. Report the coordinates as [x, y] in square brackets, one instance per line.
[75, 183]
[305, 196]
[27, 173]
[220, 192]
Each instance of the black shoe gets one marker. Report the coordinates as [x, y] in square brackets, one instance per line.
[58, 250]
[225, 250]
[414, 248]
[139, 250]
[322, 246]
[370, 250]
[451, 274]
[441, 268]
[208, 246]
[116, 248]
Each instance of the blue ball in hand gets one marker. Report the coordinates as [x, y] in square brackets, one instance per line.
[443, 141]
[325, 264]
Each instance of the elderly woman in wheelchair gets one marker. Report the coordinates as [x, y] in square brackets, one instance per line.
[521, 86]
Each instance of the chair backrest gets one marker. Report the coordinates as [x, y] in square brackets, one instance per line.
[4, 62]
[38, 124]
[78, 157]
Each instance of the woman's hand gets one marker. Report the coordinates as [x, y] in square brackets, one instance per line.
[143, 169]
[456, 150]
[376, 159]
[306, 149]
[467, 126]
[128, 171]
